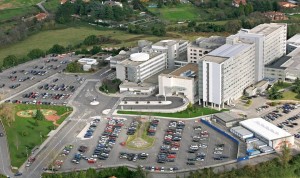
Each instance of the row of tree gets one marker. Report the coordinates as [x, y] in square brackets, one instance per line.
[12, 60]
[105, 173]
[94, 10]
[158, 29]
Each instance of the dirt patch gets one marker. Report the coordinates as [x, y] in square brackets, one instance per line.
[31, 113]
[5, 6]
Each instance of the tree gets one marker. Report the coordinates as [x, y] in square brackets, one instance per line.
[159, 30]
[296, 87]
[64, 12]
[74, 67]
[274, 93]
[118, 13]
[57, 49]
[109, 14]
[285, 156]
[192, 24]
[233, 26]
[39, 115]
[36, 53]
[160, 3]
[91, 40]
[10, 61]
[95, 50]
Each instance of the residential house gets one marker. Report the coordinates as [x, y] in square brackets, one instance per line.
[275, 16]
[237, 3]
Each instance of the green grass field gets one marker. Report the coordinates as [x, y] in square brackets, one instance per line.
[179, 13]
[183, 114]
[10, 9]
[74, 35]
[23, 132]
[289, 95]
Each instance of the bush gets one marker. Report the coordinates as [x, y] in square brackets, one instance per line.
[74, 67]
[36, 53]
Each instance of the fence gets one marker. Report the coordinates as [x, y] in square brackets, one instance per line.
[220, 131]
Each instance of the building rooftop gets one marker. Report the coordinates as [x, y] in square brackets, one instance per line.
[129, 62]
[212, 42]
[228, 116]
[186, 70]
[294, 39]
[166, 43]
[265, 29]
[279, 63]
[138, 86]
[154, 78]
[264, 128]
[241, 130]
[215, 59]
[230, 50]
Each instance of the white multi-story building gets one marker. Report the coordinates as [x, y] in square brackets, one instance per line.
[202, 46]
[225, 72]
[183, 81]
[140, 66]
[173, 49]
[293, 43]
[270, 44]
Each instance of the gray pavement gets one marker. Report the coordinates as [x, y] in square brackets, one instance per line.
[4, 154]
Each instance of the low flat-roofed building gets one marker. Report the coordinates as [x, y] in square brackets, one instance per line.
[285, 68]
[88, 61]
[267, 132]
[182, 81]
[257, 88]
[228, 119]
[241, 132]
[293, 43]
[266, 149]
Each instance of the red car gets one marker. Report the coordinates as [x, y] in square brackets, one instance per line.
[171, 156]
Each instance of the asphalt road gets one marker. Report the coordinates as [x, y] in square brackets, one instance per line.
[75, 123]
[4, 155]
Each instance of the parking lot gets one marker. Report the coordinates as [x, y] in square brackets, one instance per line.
[23, 76]
[285, 116]
[214, 149]
[55, 90]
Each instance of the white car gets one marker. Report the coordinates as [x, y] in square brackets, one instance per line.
[219, 149]
[217, 152]
[194, 147]
[171, 169]
[174, 148]
[202, 146]
[162, 169]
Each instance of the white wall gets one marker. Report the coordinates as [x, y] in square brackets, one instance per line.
[165, 83]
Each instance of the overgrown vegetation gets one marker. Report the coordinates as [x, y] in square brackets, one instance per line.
[110, 86]
[122, 172]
